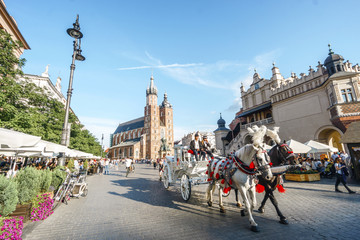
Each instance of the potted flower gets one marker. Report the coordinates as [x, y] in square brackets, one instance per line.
[28, 185]
[10, 227]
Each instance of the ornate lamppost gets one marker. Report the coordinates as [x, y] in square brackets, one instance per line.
[77, 35]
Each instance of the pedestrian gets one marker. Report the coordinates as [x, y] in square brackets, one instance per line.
[117, 165]
[341, 172]
[107, 166]
[101, 166]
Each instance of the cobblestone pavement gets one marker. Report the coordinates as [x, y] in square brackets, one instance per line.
[138, 207]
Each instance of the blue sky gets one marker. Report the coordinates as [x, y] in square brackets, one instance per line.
[200, 51]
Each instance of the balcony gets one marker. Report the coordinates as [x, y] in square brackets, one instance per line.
[265, 121]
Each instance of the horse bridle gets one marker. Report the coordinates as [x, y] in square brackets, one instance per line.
[286, 158]
[265, 166]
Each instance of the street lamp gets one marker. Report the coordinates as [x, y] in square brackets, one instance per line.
[77, 35]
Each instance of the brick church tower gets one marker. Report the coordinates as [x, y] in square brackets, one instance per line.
[166, 123]
[151, 126]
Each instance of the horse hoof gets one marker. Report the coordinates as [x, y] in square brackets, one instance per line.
[284, 221]
[243, 213]
[254, 228]
[261, 210]
[238, 205]
[209, 203]
[222, 210]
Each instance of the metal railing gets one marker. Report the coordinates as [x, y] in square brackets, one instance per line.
[259, 123]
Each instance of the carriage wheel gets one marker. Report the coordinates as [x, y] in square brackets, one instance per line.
[166, 177]
[185, 187]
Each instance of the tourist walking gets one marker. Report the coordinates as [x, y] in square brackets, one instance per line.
[117, 165]
[101, 166]
[341, 174]
[107, 166]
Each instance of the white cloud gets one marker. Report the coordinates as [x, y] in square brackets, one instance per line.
[99, 126]
[175, 65]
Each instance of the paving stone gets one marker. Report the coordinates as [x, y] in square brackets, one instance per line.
[138, 207]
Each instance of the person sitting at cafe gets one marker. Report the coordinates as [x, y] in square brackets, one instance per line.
[196, 146]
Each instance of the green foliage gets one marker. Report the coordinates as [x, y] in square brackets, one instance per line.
[58, 177]
[86, 164]
[26, 108]
[70, 164]
[45, 180]
[28, 184]
[8, 196]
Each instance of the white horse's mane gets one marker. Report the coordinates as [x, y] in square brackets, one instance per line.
[258, 134]
[273, 134]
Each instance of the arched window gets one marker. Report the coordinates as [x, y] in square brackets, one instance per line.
[252, 120]
[338, 68]
[268, 115]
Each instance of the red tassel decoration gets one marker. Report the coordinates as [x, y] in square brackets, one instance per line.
[223, 181]
[259, 188]
[280, 188]
[206, 172]
[252, 165]
[217, 176]
[211, 174]
[230, 182]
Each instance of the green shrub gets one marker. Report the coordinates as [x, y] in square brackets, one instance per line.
[86, 164]
[58, 177]
[28, 184]
[71, 165]
[8, 196]
[46, 178]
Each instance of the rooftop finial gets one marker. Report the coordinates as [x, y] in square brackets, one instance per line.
[255, 70]
[330, 50]
[220, 116]
[273, 64]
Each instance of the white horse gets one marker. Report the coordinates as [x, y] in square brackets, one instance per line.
[243, 177]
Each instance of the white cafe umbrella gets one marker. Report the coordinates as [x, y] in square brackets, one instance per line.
[317, 147]
[14, 139]
[298, 147]
[17, 142]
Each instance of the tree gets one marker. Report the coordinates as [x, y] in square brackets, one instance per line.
[27, 108]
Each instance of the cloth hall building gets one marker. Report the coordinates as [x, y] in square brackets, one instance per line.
[147, 137]
[316, 106]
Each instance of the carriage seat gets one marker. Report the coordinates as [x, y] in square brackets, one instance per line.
[192, 152]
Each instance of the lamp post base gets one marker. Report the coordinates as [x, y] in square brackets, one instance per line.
[61, 159]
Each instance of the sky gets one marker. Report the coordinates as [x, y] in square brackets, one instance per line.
[198, 51]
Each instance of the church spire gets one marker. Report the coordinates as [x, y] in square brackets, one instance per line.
[165, 102]
[152, 89]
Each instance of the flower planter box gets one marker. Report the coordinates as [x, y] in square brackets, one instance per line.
[22, 210]
[303, 177]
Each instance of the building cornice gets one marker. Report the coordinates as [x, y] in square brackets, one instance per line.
[13, 26]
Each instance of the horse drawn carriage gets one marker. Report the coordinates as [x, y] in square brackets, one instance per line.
[184, 167]
[240, 171]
